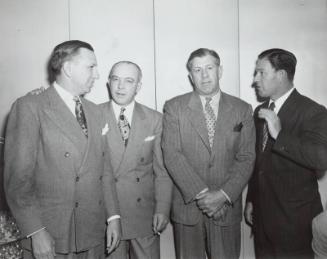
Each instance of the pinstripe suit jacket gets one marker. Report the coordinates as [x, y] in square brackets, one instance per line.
[194, 166]
[284, 187]
[54, 175]
[143, 184]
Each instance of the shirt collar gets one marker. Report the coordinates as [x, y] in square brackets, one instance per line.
[66, 96]
[281, 100]
[128, 110]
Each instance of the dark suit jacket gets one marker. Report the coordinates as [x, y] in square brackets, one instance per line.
[143, 184]
[191, 162]
[284, 188]
[54, 175]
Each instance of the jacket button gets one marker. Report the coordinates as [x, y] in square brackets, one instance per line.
[138, 199]
[137, 179]
[116, 180]
[77, 178]
[67, 154]
[76, 204]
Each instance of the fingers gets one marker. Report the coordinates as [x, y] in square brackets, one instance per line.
[112, 242]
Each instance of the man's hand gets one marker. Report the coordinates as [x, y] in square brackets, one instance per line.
[160, 222]
[43, 245]
[36, 91]
[221, 214]
[273, 122]
[210, 202]
[113, 235]
[248, 213]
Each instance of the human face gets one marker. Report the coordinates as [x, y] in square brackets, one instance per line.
[266, 80]
[124, 83]
[205, 74]
[83, 71]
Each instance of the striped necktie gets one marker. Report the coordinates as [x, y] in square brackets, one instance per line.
[265, 131]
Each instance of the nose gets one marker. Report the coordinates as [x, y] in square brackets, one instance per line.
[256, 77]
[204, 73]
[96, 74]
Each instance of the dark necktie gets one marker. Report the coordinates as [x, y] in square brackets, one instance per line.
[210, 120]
[265, 131]
[123, 126]
[80, 116]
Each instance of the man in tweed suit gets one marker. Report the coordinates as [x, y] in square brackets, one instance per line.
[208, 145]
[57, 186]
[143, 185]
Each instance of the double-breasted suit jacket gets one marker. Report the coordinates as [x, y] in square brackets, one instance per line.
[142, 182]
[284, 188]
[54, 175]
[195, 166]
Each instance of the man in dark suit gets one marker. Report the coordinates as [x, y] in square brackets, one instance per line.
[57, 185]
[143, 185]
[208, 145]
[291, 146]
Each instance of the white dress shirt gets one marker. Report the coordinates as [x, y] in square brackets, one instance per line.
[281, 100]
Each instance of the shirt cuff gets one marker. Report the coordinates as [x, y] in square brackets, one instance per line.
[35, 232]
[112, 218]
[227, 197]
[203, 191]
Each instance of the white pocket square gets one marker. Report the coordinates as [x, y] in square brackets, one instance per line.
[105, 129]
[149, 138]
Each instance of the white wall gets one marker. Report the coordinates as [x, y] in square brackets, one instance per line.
[159, 35]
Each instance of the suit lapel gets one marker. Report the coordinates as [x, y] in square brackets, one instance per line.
[114, 138]
[195, 114]
[137, 134]
[59, 113]
[223, 124]
[289, 107]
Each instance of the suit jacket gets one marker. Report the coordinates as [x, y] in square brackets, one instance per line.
[284, 188]
[194, 166]
[54, 175]
[142, 182]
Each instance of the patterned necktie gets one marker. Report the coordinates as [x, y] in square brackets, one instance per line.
[210, 120]
[265, 131]
[80, 116]
[123, 126]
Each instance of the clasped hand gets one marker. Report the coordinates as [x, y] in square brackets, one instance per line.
[212, 203]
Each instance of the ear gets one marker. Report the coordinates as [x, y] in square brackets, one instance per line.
[138, 87]
[190, 78]
[220, 71]
[67, 69]
[281, 74]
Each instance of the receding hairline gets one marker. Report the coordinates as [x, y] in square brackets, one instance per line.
[126, 62]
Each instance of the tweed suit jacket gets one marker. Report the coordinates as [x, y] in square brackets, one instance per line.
[54, 175]
[194, 166]
[142, 182]
[284, 188]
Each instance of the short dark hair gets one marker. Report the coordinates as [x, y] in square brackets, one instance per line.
[63, 52]
[201, 53]
[281, 59]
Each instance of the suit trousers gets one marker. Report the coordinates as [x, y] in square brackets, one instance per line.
[319, 232]
[266, 249]
[207, 239]
[138, 248]
[97, 252]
